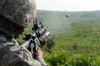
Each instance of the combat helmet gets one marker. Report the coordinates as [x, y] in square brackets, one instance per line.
[20, 12]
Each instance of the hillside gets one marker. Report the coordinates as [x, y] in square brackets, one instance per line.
[74, 41]
[56, 19]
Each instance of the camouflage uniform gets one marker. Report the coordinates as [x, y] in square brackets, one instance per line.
[21, 13]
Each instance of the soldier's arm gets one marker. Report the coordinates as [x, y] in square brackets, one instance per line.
[23, 57]
[30, 61]
[20, 56]
[39, 57]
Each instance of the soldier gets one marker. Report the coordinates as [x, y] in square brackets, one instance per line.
[15, 16]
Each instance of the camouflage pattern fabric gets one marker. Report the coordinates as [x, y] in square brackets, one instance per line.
[21, 12]
[11, 54]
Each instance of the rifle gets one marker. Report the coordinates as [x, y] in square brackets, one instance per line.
[35, 39]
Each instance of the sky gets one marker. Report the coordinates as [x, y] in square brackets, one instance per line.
[68, 5]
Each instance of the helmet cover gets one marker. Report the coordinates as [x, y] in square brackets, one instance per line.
[20, 12]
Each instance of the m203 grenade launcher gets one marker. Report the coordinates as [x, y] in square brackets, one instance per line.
[37, 38]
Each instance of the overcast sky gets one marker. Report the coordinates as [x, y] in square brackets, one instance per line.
[68, 5]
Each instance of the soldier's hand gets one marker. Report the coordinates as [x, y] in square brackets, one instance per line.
[39, 52]
[45, 41]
